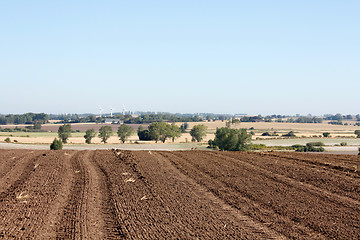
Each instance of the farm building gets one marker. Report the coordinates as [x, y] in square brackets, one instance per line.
[113, 121]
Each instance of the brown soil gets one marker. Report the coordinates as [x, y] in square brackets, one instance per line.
[112, 194]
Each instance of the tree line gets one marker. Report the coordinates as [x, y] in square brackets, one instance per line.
[157, 131]
[42, 118]
[27, 118]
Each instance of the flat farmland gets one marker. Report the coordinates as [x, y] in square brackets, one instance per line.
[77, 126]
[305, 132]
[113, 194]
[85, 126]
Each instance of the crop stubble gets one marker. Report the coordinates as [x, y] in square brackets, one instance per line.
[116, 194]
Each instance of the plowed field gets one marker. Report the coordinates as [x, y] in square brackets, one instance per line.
[112, 194]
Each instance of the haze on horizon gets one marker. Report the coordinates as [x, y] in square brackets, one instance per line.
[254, 57]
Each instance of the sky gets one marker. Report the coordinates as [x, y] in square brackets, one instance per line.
[254, 57]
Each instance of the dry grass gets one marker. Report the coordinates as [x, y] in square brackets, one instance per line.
[300, 129]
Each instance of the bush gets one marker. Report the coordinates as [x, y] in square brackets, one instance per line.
[315, 144]
[56, 145]
[357, 133]
[270, 134]
[319, 149]
[211, 144]
[343, 144]
[231, 139]
[289, 134]
[336, 123]
[7, 140]
[257, 147]
[326, 134]
[299, 148]
[309, 147]
[144, 135]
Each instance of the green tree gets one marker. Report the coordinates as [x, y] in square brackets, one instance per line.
[99, 120]
[183, 127]
[89, 134]
[160, 131]
[64, 132]
[140, 129]
[211, 144]
[124, 132]
[357, 133]
[231, 139]
[309, 147]
[289, 134]
[37, 126]
[198, 132]
[56, 145]
[326, 134]
[143, 134]
[92, 118]
[175, 132]
[105, 133]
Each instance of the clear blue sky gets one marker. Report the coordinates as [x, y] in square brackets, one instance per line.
[256, 57]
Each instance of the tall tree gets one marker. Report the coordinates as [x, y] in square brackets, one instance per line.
[89, 134]
[64, 132]
[174, 132]
[105, 133]
[183, 127]
[198, 132]
[124, 132]
[160, 131]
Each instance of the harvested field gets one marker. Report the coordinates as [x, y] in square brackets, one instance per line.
[113, 194]
[305, 133]
[85, 126]
[77, 126]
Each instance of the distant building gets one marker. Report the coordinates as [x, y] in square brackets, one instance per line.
[113, 121]
[240, 115]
